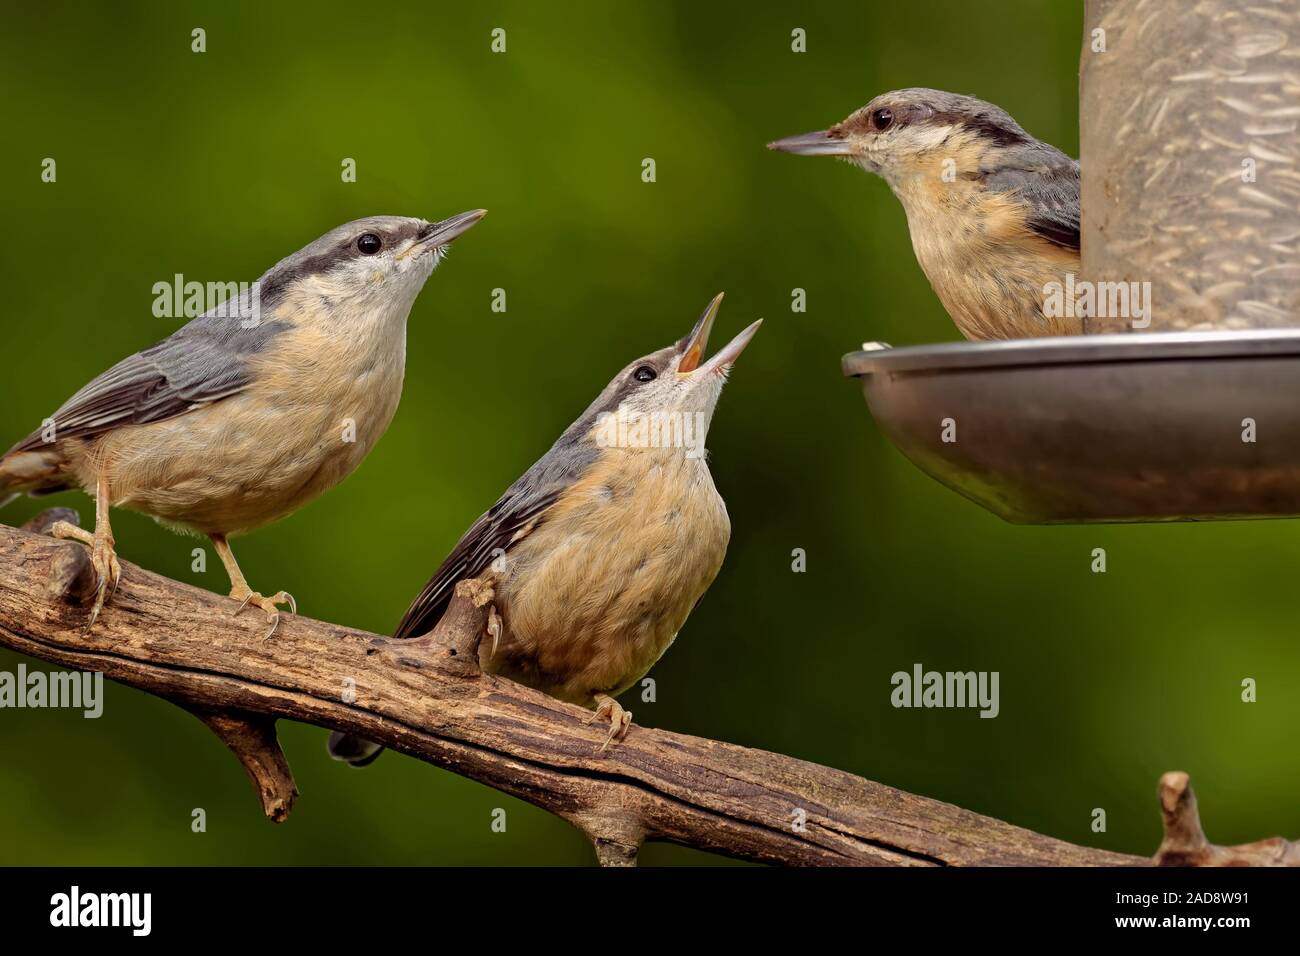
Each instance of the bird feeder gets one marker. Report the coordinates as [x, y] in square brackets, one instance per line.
[1186, 404]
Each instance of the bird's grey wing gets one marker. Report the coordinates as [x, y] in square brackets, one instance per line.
[515, 514]
[202, 362]
[1049, 186]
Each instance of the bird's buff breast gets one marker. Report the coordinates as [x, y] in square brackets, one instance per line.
[595, 595]
[316, 408]
[989, 271]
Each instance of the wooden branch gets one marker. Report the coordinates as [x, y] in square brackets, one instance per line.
[427, 698]
[1185, 843]
[252, 739]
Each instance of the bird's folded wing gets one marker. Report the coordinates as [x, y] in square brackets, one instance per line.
[1051, 196]
[202, 362]
[516, 514]
[1056, 219]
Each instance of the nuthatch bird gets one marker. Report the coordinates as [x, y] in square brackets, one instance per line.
[601, 550]
[993, 212]
[249, 411]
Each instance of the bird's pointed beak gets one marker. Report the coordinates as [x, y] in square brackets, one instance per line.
[695, 343]
[825, 142]
[727, 355]
[441, 233]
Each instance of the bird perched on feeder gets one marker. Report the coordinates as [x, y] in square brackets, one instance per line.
[249, 411]
[993, 212]
[598, 553]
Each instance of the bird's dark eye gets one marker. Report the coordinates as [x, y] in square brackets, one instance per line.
[882, 119]
[645, 373]
[369, 244]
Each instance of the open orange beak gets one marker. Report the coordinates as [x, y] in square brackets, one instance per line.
[694, 345]
[698, 340]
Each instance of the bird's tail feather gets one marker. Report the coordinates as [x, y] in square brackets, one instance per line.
[354, 751]
[38, 471]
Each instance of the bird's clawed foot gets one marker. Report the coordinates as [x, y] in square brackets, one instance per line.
[103, 558]
[268, 604]
[494, 627]
[607, 708]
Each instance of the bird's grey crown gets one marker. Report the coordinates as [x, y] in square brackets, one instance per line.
[617, 392]
[939, 107]
[336, 246]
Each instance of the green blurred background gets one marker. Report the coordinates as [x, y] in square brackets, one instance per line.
[215, 165]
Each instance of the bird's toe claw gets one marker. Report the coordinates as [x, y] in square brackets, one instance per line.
[103, 559]
[270, 605]
[494, 627]
[607, 708]
[115, 571]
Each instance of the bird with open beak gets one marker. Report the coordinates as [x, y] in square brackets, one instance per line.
[252, 409]
[600, 551]
[992, 211]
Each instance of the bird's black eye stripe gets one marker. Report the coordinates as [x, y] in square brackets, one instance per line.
[882, 119]
[645, 373]
[369, 244]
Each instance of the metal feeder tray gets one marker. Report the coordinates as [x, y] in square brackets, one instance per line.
[1096, 428]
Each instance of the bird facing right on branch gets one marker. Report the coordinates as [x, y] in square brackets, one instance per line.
[993, 212]
[252, 409]
[601, 550]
